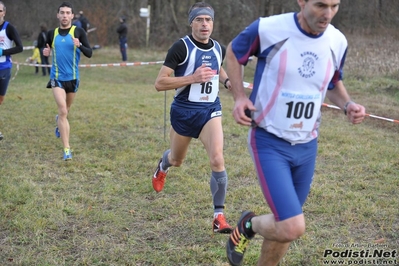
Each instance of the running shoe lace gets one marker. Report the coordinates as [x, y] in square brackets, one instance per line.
[242, 244]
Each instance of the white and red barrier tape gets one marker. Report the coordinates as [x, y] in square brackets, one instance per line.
[246, 84]
[369, 115]
[250, 86]
[29, 47]
[99, 65]
[92, 65]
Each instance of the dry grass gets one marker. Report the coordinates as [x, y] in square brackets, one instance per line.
[370, 56]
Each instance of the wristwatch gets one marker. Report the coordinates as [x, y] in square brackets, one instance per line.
[225, 83]
[346, 105]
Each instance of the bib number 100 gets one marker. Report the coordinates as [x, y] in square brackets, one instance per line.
[298, 110]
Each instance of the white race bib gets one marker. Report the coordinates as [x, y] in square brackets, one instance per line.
[297, 111]
[204, 92]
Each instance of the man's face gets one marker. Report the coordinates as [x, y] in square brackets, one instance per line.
[2, 13]
[318, 14]
[202, 27]
[65, 17]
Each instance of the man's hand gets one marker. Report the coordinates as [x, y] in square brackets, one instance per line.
[203, 74]
[242, 110]
[355, 113]
[76, 42]
[46, 51]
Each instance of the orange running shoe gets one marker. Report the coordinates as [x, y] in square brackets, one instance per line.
[158, 180]
[220, 225]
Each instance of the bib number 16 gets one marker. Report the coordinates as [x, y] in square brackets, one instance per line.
[206, 87]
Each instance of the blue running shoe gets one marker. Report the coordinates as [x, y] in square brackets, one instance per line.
[57, 132]
[67, 154]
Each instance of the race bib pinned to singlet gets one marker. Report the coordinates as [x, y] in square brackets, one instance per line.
[204, 92]
[297, 111]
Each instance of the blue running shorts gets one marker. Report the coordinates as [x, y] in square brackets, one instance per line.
[5, 75]
[189, 122]
[285, 171]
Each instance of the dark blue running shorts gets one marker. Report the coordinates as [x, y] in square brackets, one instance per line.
[5, 75]
[189, 122]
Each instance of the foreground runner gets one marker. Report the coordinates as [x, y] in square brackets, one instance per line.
[300, 61]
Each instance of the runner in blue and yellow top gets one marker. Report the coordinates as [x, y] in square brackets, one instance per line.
[66, 43]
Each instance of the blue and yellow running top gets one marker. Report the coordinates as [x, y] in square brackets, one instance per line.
[66, 56]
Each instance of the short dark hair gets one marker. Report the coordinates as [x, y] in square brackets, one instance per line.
[43, 27]
[4, 6]
[66, 4]
[198, 5]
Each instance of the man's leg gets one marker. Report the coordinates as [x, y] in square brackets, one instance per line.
[178, 148]
[43, 61]
[277, 236]
[64, 102]
[294, 167]
[172, 157]
[212, 138]
[285, 174]
[122, 46]
[272, 252]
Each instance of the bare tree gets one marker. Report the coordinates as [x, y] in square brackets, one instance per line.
[169, 17]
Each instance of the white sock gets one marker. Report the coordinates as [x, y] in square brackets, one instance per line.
[216, 214]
